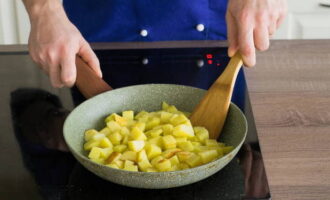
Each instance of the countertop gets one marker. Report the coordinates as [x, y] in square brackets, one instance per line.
[289, 91]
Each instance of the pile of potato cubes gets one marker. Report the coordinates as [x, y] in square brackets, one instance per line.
[157, 141]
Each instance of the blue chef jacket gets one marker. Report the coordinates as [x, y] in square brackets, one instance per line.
[153, 20]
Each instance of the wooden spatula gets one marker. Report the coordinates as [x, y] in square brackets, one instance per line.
[88, 83]
[212, 111]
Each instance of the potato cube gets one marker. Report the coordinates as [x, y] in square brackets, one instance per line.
[141, 114]
[120, 148]
[125, 140]
[227, 149]
[137, 134]
[174, 160]
[113, 126]
[110, 117]
[106, 152]
[178, 119]
[115, 138]
[153, 151]
[136, 145]
[165, 105]
[90, 144]
[128, 115]
[168, 129]
[194, 160]
[140, 125]
[208, 155]
[172, 109]
[142, 155]
[170, 152]
[105, 131]
[121, 120]
[95, 153]
[112, 165]
[183, 155]
[183, 166]
[105, 142]
[89, 134]
[119, 163]
[165, 117]
[98, 136]
[144, 119]
[201, 133]
[154, 133]
[129, 166]
[163, 165]
[186, 146]
[152, 123]
[98, 161]
[157, 141]
[156, 160]
[169, 142]
[144, 165]
[114, 156]
[183, 131]
[211, 143]
[151, 169]
[179, 140]
[129, 155]
[124, 131]
[174, 168]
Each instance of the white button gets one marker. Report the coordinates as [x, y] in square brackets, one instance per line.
[145, 61]
[200, 63]
[200, 27]
[144, 33]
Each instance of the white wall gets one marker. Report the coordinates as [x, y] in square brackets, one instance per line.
[306, 20]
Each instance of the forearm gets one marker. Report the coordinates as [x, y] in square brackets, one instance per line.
[38, 8]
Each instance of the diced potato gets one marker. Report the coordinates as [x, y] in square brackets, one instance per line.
[90, 144]
[144, 119]
[178, 119]
[151, 169]
[119, 163]
[183, 166]
[179, 140]
[106, 152]
[112, 165]
[136, 145]
[98, 161]
[128, 115]
[129, 166]
[115, 138]
[172, 109]
[90, 133]
[165, 105]
[140, 125]
[170, 153]
[201, 133]
[152, 123]
[174, 168]
[183, 131]
[168, 129]
[165, 117]
[113, 157]
[137, 134]
[113, 126]
[95, 153]
[186, 146]
[105, 142]
[211, 143]
[183, 155]
[157, 141]
[142, 155]
[120, 148]
[174, 160]
[156, 160]
[105, 131]
[98, 136]
[208, 156]
[125, 140]
[163, 165]
[110, 117]
[124, 131]
[141, 114]
[153, 151]
[144, 165]
[194, 160]
[169, 142]
[121, 120]
[129, 155]
[154, 133]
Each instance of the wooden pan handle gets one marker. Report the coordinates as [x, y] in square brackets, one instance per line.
[88, 83]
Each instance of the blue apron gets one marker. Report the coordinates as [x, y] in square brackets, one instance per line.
[154, 20]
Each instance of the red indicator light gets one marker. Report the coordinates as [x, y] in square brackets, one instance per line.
[218, 64]
[209, 56]
[210, 62]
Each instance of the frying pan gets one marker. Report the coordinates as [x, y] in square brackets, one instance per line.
[103, 101]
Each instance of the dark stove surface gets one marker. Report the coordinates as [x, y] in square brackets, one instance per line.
[59, 176]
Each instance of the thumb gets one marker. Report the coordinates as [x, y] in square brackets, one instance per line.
[88, 55]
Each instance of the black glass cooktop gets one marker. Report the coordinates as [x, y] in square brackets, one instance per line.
[38, 119]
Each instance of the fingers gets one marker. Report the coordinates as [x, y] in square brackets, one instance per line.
[54, 75]
[232, 35]
[261, 38]
[88, 55]
[68, 70]
[246, 44]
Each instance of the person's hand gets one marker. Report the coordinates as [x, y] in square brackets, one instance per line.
[250, 23]
[54, 43]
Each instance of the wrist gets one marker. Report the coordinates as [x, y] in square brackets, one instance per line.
[38, 8]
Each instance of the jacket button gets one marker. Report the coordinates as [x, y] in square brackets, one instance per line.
[144, 33]
[200, 27]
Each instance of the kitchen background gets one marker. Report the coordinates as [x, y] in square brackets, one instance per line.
[307, 19]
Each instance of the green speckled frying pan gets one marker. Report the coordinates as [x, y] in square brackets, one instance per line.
[91, 113]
